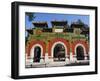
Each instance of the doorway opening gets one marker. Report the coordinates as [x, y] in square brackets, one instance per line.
[80, 53]
[37, 54]
[59, 53]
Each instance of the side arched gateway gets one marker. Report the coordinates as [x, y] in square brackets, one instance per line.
[36, 51]
[80, 50]
[37, 54]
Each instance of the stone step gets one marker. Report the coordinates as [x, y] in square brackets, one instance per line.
[56, 64]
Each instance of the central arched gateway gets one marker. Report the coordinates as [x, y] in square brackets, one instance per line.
[80, 53]
[37, 54]
[59, 52]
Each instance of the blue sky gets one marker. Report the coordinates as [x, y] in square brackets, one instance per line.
[48, 17]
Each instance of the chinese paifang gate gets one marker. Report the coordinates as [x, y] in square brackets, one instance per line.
[57, 45]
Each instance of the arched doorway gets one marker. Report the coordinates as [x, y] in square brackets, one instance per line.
[80, 53]
[37, 54]
[59, 52]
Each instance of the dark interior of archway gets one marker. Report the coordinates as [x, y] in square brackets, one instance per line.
[59, 53]
[80, 53]
[37, 54]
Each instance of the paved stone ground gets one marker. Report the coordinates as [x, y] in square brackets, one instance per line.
[56, 64]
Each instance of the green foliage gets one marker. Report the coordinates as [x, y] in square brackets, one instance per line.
[49, 36]
[30, 16]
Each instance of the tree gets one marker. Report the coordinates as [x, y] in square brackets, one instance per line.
[80, 22]
[30, 16]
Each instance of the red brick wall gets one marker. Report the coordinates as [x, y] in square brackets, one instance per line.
[50, 44]
[57, 40]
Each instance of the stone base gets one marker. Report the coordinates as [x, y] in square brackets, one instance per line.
[42, 61]
[67, 61]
